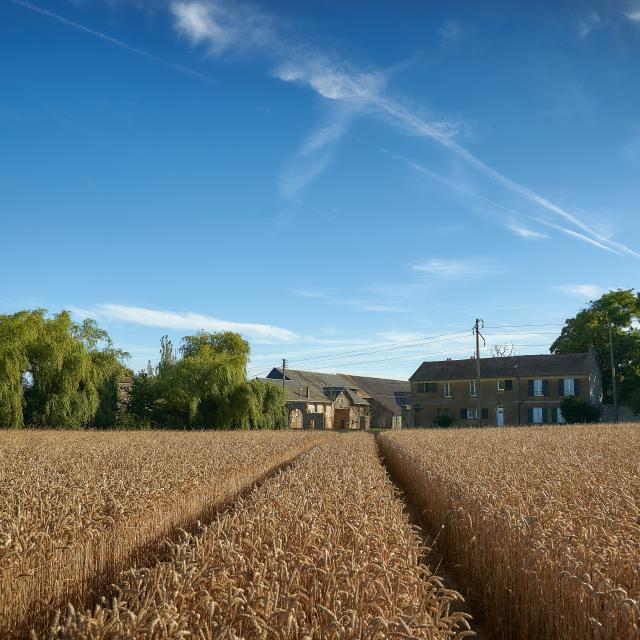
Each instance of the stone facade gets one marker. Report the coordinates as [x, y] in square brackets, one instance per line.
[513, 391]
[341, 401]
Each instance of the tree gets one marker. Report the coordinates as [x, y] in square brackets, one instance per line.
[206, 387]
[577, 410]
[54, 372]
[590, 328]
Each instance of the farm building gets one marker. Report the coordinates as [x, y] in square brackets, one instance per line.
[341, 401]
[513, 390]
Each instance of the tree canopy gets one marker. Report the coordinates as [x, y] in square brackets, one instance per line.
[206, 387]
[590, 328]
[55, 372]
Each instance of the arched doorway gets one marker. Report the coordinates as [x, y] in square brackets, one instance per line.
[295, 419]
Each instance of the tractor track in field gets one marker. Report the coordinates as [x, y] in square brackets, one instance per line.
[438, 563]
[155, 550]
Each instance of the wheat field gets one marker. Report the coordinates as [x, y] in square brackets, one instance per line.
[323, 550]
[542, 524]
[163, 535]
[78, 507]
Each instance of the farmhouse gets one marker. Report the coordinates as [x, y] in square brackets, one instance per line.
[342, 401]
[513, 390]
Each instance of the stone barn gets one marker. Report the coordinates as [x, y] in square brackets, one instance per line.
[341, 401]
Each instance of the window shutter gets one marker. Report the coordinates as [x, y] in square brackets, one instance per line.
[545, 387]
[545, 414]
[463, 414]
[530, 387]
[576, 387]
[530, 415]
[508, 385]
[561, 387]
[485, 414]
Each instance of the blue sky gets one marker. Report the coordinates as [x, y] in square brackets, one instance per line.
[343, 183]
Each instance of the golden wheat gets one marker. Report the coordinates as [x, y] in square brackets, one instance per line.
[322, 550]
[542, 523]
[78, 507]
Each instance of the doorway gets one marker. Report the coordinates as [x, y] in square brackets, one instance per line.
[500, 416]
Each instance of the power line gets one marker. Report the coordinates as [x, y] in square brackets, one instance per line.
[393, 347]
[415, 356]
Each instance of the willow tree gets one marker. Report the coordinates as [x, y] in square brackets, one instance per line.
[17, 334]
[53, 371]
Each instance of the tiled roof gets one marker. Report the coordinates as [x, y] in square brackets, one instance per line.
[554, 364]
[390, 394]
[297, 392]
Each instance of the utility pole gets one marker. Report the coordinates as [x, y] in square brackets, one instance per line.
[616, 414]
[284, 368]
[476, 330]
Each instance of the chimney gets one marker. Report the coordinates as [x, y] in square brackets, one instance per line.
[307, 391]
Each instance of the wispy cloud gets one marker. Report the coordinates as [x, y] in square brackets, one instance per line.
[450, 33]
[222, 27]
[591, 291]
[455, 268]
[633, 12]
[335, 80]
[355, 303]
[590, 22]
[190, 321]
[525, 232]
[604, 244]
[111, 40]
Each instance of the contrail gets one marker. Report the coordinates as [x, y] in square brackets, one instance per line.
[497, 205]
[111, 40]
[397, 111]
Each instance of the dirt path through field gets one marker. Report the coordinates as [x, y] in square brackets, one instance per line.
[435, 560]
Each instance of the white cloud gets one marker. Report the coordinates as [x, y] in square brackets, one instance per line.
[589, 23]
[450, 33]
[335, 80]
[355, 303]
[633, 14]
[455, 268]
[222, 26]
[525, 232]
[192, 322]
[591, 291]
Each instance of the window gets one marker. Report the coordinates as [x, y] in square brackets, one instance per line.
[537, 387]
[472, 414]
[560, 417]
[427, 387]
[501, 385]
[447, 389]
[312, 408]
[537, 415]
[569, 387]
[473, 389]
[444, 411]
[320, 408]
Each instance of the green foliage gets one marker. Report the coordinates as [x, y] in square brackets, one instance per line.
[590, 327]
[55, 372]
[443, 421]
[577, 409]
[206, 388]
[635, 401]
